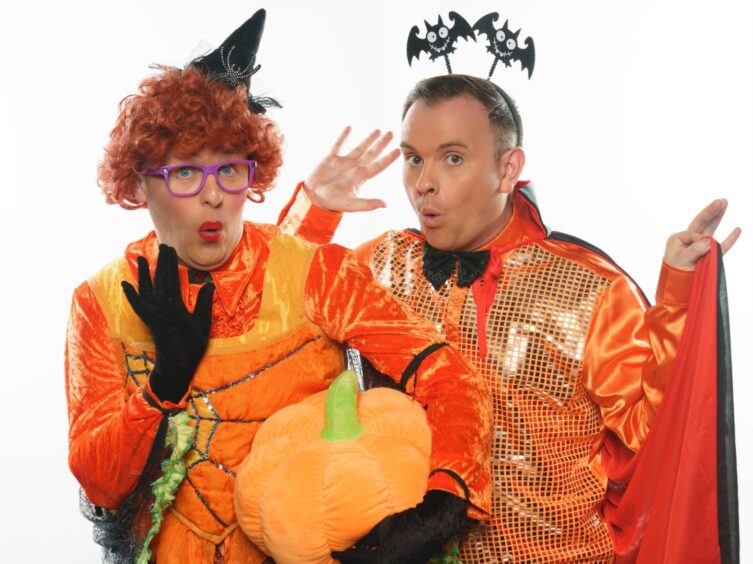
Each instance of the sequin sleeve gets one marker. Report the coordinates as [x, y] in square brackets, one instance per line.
[343, 299]
[110, 433]
[630, 350]
[302, 218]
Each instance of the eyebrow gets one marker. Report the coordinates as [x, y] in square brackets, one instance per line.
[404, 145]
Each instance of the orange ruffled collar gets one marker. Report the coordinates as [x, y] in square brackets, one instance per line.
[230, 280]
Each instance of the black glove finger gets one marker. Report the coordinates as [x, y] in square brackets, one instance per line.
[202, 312]
[133, 298]
[357, 556]
[166, 280]
[145, 279]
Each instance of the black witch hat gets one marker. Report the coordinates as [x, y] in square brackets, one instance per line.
[234, 62]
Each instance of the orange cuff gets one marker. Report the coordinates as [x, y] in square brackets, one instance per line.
[674, 285]
[302, 218]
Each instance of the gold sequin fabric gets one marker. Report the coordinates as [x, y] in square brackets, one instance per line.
[545, 493]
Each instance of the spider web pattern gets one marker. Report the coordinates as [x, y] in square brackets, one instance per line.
[206, 418]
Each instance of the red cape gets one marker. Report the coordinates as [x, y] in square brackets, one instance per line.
[675, 501]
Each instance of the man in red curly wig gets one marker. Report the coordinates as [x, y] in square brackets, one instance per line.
[230, 321]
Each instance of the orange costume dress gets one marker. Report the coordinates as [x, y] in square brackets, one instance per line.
[281, 309]
[570, 350]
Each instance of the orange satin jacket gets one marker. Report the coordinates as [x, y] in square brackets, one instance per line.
[280, 310]
[570, 350]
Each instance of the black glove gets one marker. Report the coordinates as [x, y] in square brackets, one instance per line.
[180, 337]
[411, 536]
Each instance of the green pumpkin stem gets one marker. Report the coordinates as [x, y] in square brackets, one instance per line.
[341, 421]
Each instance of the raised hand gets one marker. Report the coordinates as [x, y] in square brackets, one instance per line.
[411, 536]
[686, 247]
[180, 337]
[335, 182]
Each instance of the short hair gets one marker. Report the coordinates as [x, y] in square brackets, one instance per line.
[503, 114]
[184, 111]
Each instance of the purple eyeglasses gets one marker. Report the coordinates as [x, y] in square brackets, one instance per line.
[188, 179]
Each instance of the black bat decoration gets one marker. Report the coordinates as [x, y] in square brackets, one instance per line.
[440, 39]
[504, 44]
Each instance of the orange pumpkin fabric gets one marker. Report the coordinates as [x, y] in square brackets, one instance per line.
[280, 309]
[570, 350]
[300, 496]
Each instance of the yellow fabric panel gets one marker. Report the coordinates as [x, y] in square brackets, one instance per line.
[124, 324]
[285, 276]
[279, 317]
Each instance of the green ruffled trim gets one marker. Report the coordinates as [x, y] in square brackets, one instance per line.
[448, 554]
[178, 437]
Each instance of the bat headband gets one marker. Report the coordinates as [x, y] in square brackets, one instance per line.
[234, 62]
[440, 39]
[502, 43]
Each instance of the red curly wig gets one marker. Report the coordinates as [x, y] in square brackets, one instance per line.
[184, 112]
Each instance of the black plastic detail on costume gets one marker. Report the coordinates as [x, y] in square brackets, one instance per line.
[727, 492]
[119, 532]
[557, 236]
[234, 62]
[455, 476]
[504, 44]
[439, 40]
[412, 368]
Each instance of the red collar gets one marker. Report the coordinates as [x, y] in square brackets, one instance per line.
[525, 224]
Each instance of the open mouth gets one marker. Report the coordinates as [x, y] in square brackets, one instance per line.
[430, 218]
[439, 49]
[502, 54]
[210, 230]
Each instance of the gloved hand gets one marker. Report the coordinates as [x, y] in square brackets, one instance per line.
[180, 336]
[411, 536]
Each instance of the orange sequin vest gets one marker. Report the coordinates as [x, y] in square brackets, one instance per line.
[546, 491]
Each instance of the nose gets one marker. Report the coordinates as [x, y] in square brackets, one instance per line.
[427, 182]
[211, 194]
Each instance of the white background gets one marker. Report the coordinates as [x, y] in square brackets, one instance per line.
[638, 114]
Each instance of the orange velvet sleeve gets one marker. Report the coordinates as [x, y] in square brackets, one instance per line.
[110, 433]
[630, 349]
[302, 218]
[344, 300]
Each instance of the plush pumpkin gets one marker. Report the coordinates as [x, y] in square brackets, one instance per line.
[323, 472]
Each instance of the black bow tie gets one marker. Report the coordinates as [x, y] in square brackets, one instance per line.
[438, 265]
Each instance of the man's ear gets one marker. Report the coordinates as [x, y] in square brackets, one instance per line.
[511, 165]
[139, 192]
